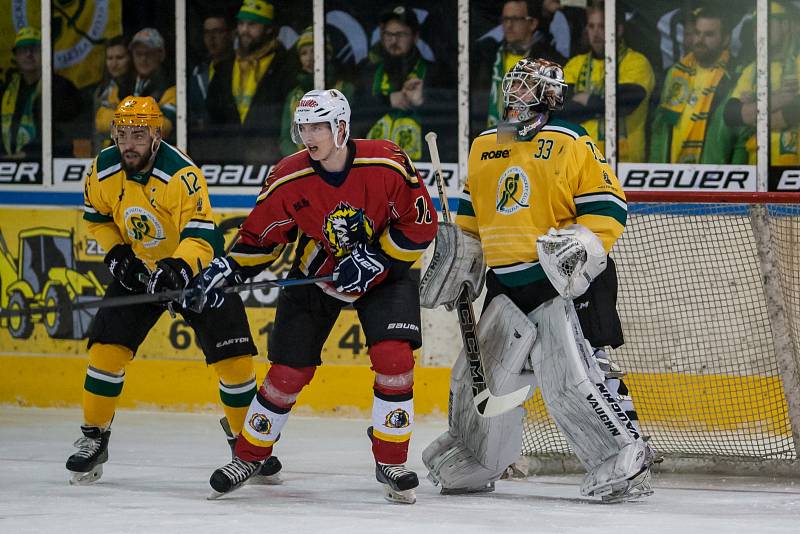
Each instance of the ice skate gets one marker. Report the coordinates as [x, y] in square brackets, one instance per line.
[398, 483]
[636, 487]
[269, 474]
[86, 465]
[232, 476]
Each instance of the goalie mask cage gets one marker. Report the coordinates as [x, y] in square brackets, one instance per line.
[709, 297]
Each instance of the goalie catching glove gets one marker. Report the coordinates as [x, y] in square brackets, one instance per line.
[457, 260]
[364, 268]
[571, 258]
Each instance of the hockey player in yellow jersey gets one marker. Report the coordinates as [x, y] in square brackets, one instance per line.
[146, 203]
[545, 209]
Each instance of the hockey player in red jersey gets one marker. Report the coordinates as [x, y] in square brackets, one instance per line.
[356, 209]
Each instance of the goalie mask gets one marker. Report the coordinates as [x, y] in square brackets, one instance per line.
[330, 106]
[531, 89]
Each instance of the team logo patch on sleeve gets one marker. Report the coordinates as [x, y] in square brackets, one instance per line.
[398, 418]
[346, 226]
[143, 226]
[513, 191]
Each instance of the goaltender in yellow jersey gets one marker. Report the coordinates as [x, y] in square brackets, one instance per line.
[546, 209]
[524, 187]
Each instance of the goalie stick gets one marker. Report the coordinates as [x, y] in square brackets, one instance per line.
[486, 404]
[177, 295]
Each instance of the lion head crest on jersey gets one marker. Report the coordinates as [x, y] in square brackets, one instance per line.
[346, 226]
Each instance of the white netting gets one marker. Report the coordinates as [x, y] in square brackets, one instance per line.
[709, 296]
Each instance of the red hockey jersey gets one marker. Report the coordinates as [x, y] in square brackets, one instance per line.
[378, 198]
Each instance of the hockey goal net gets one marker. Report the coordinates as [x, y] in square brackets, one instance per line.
[709, 296]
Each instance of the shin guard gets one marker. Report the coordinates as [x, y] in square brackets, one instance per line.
[393, 404]
[105, 376]
[270, 409]
[237, 387]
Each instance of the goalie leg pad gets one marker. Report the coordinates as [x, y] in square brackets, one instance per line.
[603, 438]
[476, 450]
[457, 260]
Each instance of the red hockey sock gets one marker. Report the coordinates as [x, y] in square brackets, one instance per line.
[269, 411]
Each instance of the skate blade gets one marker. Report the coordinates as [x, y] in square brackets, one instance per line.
[488, 488]
[214, 495]
[266, 480]
[626, 497]
[88, 478]
[399, 497]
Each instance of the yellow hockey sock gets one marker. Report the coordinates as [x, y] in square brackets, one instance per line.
[105, 376]
[237, 387]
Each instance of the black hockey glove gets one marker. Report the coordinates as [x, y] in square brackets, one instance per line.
[206, 287]
[126, 268]
[362, 269]
[170, 273]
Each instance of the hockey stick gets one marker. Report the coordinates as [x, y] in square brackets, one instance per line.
[177, 295]
[486, 404]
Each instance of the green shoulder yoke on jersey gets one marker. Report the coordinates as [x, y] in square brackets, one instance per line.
[573, 130]
[109, 162]
[169, 161]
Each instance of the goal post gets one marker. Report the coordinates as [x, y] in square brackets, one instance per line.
[709, 297]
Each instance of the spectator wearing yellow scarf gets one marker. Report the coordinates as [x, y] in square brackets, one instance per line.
[688, 126]
[784, 101]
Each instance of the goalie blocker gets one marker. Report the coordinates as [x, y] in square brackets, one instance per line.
[457, 260]
[529, 333]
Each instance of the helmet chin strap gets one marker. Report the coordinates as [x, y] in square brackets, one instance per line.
[154, 145]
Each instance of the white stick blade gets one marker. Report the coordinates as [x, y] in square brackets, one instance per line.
[488, 405]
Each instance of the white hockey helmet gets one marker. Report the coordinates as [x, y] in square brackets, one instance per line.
[328, 105]
[531, 87]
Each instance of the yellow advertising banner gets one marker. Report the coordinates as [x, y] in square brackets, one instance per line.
[79, 31]
[47, 256]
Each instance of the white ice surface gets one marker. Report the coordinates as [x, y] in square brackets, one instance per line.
[156, 481]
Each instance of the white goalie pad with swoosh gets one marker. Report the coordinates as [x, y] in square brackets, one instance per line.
[605, 441]
[476, 450]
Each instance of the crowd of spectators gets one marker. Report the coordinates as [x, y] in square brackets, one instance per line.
[686, 78]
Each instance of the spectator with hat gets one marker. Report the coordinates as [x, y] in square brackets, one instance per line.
[21, 102]
[305, 83]
[148, 52]
[395, 86]
[247, 93]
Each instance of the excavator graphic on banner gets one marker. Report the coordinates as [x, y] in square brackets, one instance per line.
[44, 274]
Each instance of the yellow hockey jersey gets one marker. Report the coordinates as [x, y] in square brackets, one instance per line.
[161, 213]
[516, 192]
